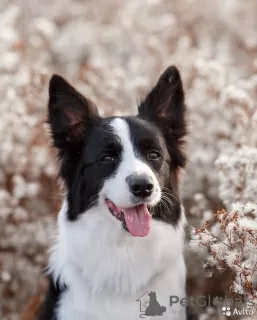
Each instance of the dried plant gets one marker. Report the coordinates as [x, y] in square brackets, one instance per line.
[231, 244]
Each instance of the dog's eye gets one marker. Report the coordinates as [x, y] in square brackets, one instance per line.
[107, 158]
[154, 155]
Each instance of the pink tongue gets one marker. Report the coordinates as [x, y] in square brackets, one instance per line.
[138, 220]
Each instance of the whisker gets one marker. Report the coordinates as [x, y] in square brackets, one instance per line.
[167, 202]
[92, 199]
[169, 193]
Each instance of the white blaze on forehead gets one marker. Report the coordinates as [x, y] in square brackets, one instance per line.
[121, 129]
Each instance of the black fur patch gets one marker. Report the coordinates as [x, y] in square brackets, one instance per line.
[165, 107]
[91, 169]
[146, 136]
[47, 311]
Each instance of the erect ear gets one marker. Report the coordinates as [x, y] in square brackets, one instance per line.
[68, 113]
[165, 107]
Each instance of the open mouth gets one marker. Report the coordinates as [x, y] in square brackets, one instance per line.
[135, 220]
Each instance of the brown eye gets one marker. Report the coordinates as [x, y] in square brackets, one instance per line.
[154, 155]
[107, 159]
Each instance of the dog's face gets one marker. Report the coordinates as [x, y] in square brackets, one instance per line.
[125, 166]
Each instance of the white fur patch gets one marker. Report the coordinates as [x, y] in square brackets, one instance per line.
[105, 268]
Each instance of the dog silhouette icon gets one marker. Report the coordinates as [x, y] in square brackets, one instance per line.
[154, 308]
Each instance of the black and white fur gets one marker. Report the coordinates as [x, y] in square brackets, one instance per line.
[97, 269]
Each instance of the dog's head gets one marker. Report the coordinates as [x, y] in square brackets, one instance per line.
[125, 166]
[152, 295]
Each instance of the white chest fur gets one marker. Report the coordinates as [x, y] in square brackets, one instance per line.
[106, 269]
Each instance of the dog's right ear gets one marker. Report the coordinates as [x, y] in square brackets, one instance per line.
[68, 113]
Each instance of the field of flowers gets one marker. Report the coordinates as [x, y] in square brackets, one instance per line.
[113, 51]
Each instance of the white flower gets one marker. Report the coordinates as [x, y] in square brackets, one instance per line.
[237, 287]
[251, 207]
[231, 257]
[247, 223]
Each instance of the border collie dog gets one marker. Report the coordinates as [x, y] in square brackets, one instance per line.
[121, 225]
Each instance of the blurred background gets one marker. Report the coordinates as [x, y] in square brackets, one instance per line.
[114, 51]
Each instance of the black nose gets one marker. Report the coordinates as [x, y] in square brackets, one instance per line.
[140, 186]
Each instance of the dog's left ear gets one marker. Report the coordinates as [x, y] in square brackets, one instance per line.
[165, 107]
